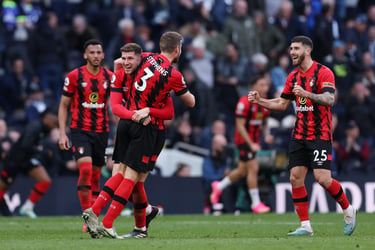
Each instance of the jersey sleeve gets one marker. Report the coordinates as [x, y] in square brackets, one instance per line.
[179, 85]
[70, 83]
[327, 82]
[287, 91]
[242, 107]
[117, 108]
[164, 113]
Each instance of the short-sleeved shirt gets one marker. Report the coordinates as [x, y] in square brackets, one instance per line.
[313, 121]
[255, 116]
[89, 93]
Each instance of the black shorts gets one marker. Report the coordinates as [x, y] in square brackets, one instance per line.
[135, 145]
[312, 154]
[245, 153]
[13, 167]
[90, 144]
[159, 144]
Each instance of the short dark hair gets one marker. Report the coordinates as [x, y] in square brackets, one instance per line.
[132, 47]
[255, 79]
[169, 41]
[91, 42]
[304, 40]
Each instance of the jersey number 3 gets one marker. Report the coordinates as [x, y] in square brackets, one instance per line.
[142, 86]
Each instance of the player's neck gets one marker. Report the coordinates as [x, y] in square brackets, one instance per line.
[306, 64]
[93, 69]
[168, 56]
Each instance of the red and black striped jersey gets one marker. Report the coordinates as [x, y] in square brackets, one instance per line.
[255, 116]
[313, 121]
[153, 81]
[121, 86]
[89, 98]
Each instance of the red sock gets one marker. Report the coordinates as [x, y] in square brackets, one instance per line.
[39, 190]
[301, 202]
[107, 193]
[84, 184]
[140, 204]
[119, 201]
[335, 190]
[95, 185]
[2, 193]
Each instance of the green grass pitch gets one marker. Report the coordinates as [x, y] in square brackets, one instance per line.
[179, 232]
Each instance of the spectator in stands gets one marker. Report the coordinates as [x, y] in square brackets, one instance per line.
[218, 127]
[126, 9]
[360, 109]
[258, 65]
[359, 33]
[183, 132]
[338, 61]
[76, 36]
[18, 85]
[239, 29]
[354, 54]
[48, 52]
[205, 110]
[127, 34]
[327, 30]
[353, 151]
[215, 167]
[215, 41]
[272, 40]
[279, 72]
[288, 21]
[230, 80]
[200, 61]
[26, 156]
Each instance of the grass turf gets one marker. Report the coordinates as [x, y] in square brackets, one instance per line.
[247, 231]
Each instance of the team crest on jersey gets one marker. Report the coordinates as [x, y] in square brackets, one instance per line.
[312, 81]
[81, 150]
[113, 79]
[84, 84]
[94, 97]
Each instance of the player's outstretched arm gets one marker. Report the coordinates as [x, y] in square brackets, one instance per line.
[276, 104]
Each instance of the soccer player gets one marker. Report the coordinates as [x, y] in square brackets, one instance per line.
[125, 68]
[154, 79]
[86, 90]
[26, 156]
[249, 118]
[312, 86]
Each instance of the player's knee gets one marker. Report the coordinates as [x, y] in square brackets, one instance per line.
[324, 181]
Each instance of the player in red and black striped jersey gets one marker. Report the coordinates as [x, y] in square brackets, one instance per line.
[153, 81]
[130, 59]
[249, 121]
[86, 91]
[311, 85]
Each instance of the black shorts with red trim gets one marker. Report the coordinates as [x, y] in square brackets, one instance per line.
[159, 144]
[92, 144]
[245, 153]
[312, 154]
[135, 145]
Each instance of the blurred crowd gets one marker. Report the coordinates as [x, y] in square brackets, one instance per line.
[226, 43]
